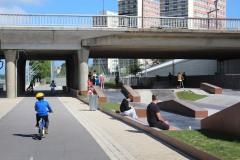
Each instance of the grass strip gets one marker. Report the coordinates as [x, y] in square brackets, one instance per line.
[189, 95]
[110, 105]
[220, 145]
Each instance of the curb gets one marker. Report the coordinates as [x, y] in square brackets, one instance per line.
[182, 146]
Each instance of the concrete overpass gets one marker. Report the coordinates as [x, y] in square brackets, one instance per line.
[76, 45]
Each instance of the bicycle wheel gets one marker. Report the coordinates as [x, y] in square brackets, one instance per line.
[41, 129]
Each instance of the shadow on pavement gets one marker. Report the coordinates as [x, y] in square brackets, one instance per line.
[135, 131]
[33, 136]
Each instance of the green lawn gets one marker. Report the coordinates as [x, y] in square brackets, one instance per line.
[112, 84]
[220, 145]
[111, 106]
[189, 95]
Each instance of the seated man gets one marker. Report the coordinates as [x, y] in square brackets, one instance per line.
[154, 117]
[126, 109]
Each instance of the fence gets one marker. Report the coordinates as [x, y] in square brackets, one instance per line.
[94, 21]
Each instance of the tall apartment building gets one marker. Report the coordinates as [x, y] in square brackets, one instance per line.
[195, 9]
[192, 8]
[151, 8]
[134, 7]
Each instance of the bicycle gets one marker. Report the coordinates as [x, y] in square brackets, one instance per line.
[41, 128]
[52, 91]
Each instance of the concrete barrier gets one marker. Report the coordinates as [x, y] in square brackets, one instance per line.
[211, 88]
[128, 90]
[101, 94]
[225, 121]
[183, 108]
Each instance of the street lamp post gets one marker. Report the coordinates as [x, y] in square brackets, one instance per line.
[142, 14]
[103, 7]
[216, 9]
[216, 2]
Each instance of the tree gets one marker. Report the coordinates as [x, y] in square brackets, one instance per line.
[135, 67]
[42, 68]
[63, 71]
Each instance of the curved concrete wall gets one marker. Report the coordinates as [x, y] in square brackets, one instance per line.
[191, 67]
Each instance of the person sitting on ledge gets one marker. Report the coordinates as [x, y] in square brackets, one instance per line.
[154, 117]
[127, 109]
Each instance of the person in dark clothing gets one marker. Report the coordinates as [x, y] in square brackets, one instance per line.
[154, 117]
[170, 77]
[184, 78]
[126, 109]
[30, 87]
[117, 79]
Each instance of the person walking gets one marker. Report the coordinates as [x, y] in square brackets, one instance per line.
[102, 81]
[180, 80]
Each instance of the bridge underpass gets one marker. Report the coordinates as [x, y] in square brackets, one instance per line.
[76, 46]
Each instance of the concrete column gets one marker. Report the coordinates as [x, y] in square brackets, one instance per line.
[21, 65]
[10, 56]
[83, 69]
[70, 72]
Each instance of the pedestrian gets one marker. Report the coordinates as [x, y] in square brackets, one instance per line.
[127, 109]
[30, 87]
[89, 82]
[184, 78]
[102, 81]
[170, 77]
[180, 80]
[94, 75]
[154, 117]
[97, 80]
[117, 78]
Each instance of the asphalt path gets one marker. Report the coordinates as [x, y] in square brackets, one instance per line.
[67, 138]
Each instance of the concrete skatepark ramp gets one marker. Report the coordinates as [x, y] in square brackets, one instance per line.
[225, 121]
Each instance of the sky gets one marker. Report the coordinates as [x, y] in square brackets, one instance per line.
[90, 7]
[80, 6]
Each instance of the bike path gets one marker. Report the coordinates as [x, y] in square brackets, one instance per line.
[67, 138]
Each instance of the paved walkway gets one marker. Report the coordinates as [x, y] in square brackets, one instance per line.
[83, 134]
[78, 133]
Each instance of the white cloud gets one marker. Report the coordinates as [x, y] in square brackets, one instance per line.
[12, 6]
[11, 3]
[12, 10]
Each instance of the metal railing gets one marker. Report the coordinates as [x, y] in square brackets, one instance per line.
[94, 21]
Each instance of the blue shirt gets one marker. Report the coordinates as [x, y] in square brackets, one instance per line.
[41, 108]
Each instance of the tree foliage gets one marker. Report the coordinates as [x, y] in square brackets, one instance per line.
[135, 67]
[42, 68]
[62, 72]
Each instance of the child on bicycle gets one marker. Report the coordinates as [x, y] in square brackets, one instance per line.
[42, 108]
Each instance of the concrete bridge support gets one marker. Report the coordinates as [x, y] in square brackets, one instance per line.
[71, 72]
[21, 65]
[83, 69]
[11, 83]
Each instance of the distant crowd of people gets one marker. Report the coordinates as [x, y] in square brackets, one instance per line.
[94, 79]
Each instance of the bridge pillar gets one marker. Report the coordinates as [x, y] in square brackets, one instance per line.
[83, 69]
[11, 56]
